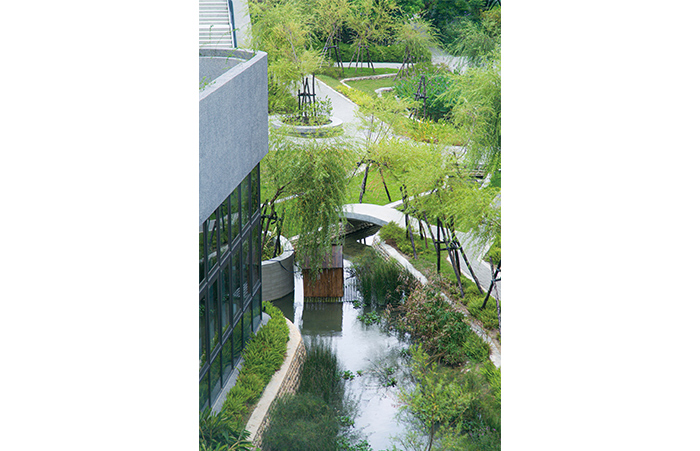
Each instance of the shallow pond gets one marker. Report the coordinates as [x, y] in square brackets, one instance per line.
[376, 353]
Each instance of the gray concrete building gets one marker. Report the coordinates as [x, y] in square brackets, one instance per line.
[233, 138]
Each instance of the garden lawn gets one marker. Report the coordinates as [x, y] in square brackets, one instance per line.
[369, 86]
[374, 189]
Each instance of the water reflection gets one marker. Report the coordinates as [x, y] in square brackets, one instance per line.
[375, 353]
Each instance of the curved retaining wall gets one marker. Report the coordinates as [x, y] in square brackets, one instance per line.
[284, 381]
[278, 273]
[309, 131]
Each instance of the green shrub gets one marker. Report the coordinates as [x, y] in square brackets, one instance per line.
[437, 106]
[216, 433]
[382, 282]
[302, 422]
[392, 53]
[319, 416]
[443, 331]
[263, 355]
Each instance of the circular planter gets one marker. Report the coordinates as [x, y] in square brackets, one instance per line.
[278, 273]
[308, 131]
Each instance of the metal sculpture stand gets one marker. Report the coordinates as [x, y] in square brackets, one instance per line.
[420, 95]
[307, 98]
[331, 44]
[363, 47]
[408, 64]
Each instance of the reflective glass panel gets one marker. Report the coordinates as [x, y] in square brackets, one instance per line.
[212, 233]
[247, 324]
[228, 361]
[225, 298]
[202, 333]
[213, 303]
[215, 377]
[257, 309]
[245, 200]
[245, 256]
[235, 210]
[236, 282]
[225, 223]
[237, 340]
[256, 256]
[255, 188]
[204, 392]
[202, 254]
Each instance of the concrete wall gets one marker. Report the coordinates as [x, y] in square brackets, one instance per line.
[232, 123]
[278, 273]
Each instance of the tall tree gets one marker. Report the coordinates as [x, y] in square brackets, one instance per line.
[283, 30]
[312, 176]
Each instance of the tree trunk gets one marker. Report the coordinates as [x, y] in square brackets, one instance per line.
[364, 183]
[452, 254]
[464, 256]
[385, 187]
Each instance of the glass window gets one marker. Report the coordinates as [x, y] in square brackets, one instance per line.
[237, 340]
[225, 223]
[247, 325]
[213, 302]
[225, 298]
[202, 270]
[236, 282]
[235, 210]
[257, 309]
[202, 333]
[245, 256]
[215, 377]
[204, 392]
[245, 200]
[255, 188]
[212, 232]
[256, 256]
[228, 361]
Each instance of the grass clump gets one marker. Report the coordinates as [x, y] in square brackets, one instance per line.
[382, 282]
[319, 416]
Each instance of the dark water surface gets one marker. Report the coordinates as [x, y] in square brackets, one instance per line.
[376, 352]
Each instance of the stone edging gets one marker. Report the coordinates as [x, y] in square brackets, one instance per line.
[310, 131]
[284, 381]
